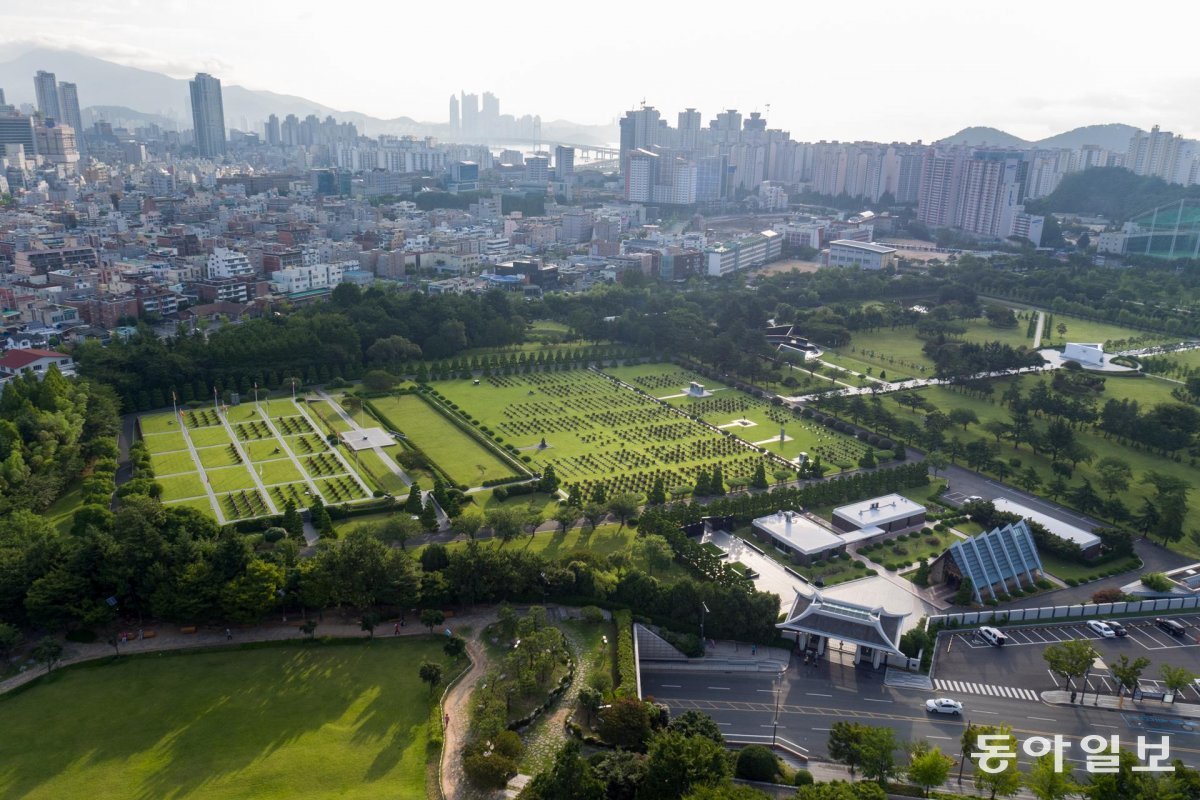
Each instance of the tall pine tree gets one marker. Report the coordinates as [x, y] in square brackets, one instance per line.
[717, 485]
[658, 493]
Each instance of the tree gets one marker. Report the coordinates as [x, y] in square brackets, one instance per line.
[309, 628]
[571, 777]
[962, 416]
[455, 646]
[1084, 497]
[413, 502]
[965, 595]
[697, 723]
[757, 763]
[548, 483]
[937, 461]
[319, 515]
[846, 740]
[996, 428]
[1028, 479]
[10, 639]
[429, 518]
[655, 550]
[47, 651]
[716, 484]
[292, 522]
[929, 768]
[1128, 672]
[878, 754]
[1071, 659]
[431, 673]
[590, 700]
[1047, 782]
[593, 513]
[506, 522]
[675, 763]
[623, 506]
[369, 622]
[658, 493]
[468, 523]
[626, 723]
[759, 480]
[1006, 780]
[431, 617]
[1176, 678]
[1114, 475]
[378, 380]
[600, 494]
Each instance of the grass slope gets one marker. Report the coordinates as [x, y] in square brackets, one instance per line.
[345, 720]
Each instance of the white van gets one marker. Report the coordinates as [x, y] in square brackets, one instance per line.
[992, 636]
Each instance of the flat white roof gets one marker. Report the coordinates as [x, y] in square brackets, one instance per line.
[1063, 530]
[879, 510]
[799, 532]
[870, 247]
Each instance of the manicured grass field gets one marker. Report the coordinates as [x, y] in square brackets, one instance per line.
[729, 408]
[1085, 330]
[172, 463]
[201, 504]
[598, 430]
[461, 457]
[187, 484]
[265, 433]
[374, 470]
[336, 720]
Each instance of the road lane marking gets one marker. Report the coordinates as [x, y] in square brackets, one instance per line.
[822, 729]
[1098, 725]
[981, 711]
[1043, 719]
[669, 686]
[876, 700]
[947, 738]
[817, 694]
[719, 688]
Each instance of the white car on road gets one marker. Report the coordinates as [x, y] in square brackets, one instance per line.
[943, 705]
[1101, 629]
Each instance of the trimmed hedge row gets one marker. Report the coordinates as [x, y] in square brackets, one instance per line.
[626, 664]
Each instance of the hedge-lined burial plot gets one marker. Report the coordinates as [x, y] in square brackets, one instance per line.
[727, 407]
[230, 474]
[597, 430]
[465, 460]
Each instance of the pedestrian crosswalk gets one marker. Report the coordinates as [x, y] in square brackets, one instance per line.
[986, 688]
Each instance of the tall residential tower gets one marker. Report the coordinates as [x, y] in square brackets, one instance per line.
[208, 115]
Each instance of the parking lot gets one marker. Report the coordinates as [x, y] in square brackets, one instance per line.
[965, 662]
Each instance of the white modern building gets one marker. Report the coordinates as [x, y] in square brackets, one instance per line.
[799, 537]
[865, 255]
[1089, 355]
[890, 513]
[1088, 542]
[226, 263]
[306, 279]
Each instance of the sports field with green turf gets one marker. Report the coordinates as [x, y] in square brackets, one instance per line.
[316, 720]
[253, 458]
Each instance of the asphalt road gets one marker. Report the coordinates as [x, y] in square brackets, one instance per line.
[744, 706]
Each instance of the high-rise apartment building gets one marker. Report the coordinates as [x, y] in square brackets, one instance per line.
[274, 136]
[16, 128]
[564, 162]
[68, 101]
[1164, 155]
[470, 114]
[208, 115]
[45, 86]
[455, 120]
[537, 168]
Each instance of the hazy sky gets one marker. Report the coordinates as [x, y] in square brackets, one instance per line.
[854, 70]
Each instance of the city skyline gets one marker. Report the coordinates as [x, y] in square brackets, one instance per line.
[877, 76]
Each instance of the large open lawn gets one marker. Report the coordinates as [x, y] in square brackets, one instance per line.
[465, 460]
[596, 430]
[1114, 337]
[335, 720]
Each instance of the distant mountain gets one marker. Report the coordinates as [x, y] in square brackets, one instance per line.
[1114, 136]
[122, 116]
[980, 136]
[133, 92]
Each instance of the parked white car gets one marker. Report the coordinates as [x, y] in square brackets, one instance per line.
[943, 705]
[1101, 629]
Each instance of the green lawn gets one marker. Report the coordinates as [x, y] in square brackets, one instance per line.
[230, 478]
[909, 550]
[338, 720]
[598, 431]
[208, 437]
[1114, 337]
[186, 484]
[172, 463]
[279, 471]
[219, 456]
[165, 442]
[376, 472]
[465, 460]
[201, 504]
[1064, 570]
[61, 513]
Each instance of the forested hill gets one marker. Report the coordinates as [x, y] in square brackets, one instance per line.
[1113, 192]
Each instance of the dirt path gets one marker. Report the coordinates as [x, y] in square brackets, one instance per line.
[457, 708]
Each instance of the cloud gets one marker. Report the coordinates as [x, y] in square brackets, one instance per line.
[115, 51]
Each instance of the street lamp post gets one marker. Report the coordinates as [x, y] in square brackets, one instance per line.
[775, 722]
[703, 611]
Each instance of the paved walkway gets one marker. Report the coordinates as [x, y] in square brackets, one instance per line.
[1037, 333]
[457, 707]
[1060, 697]
[379, 451]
